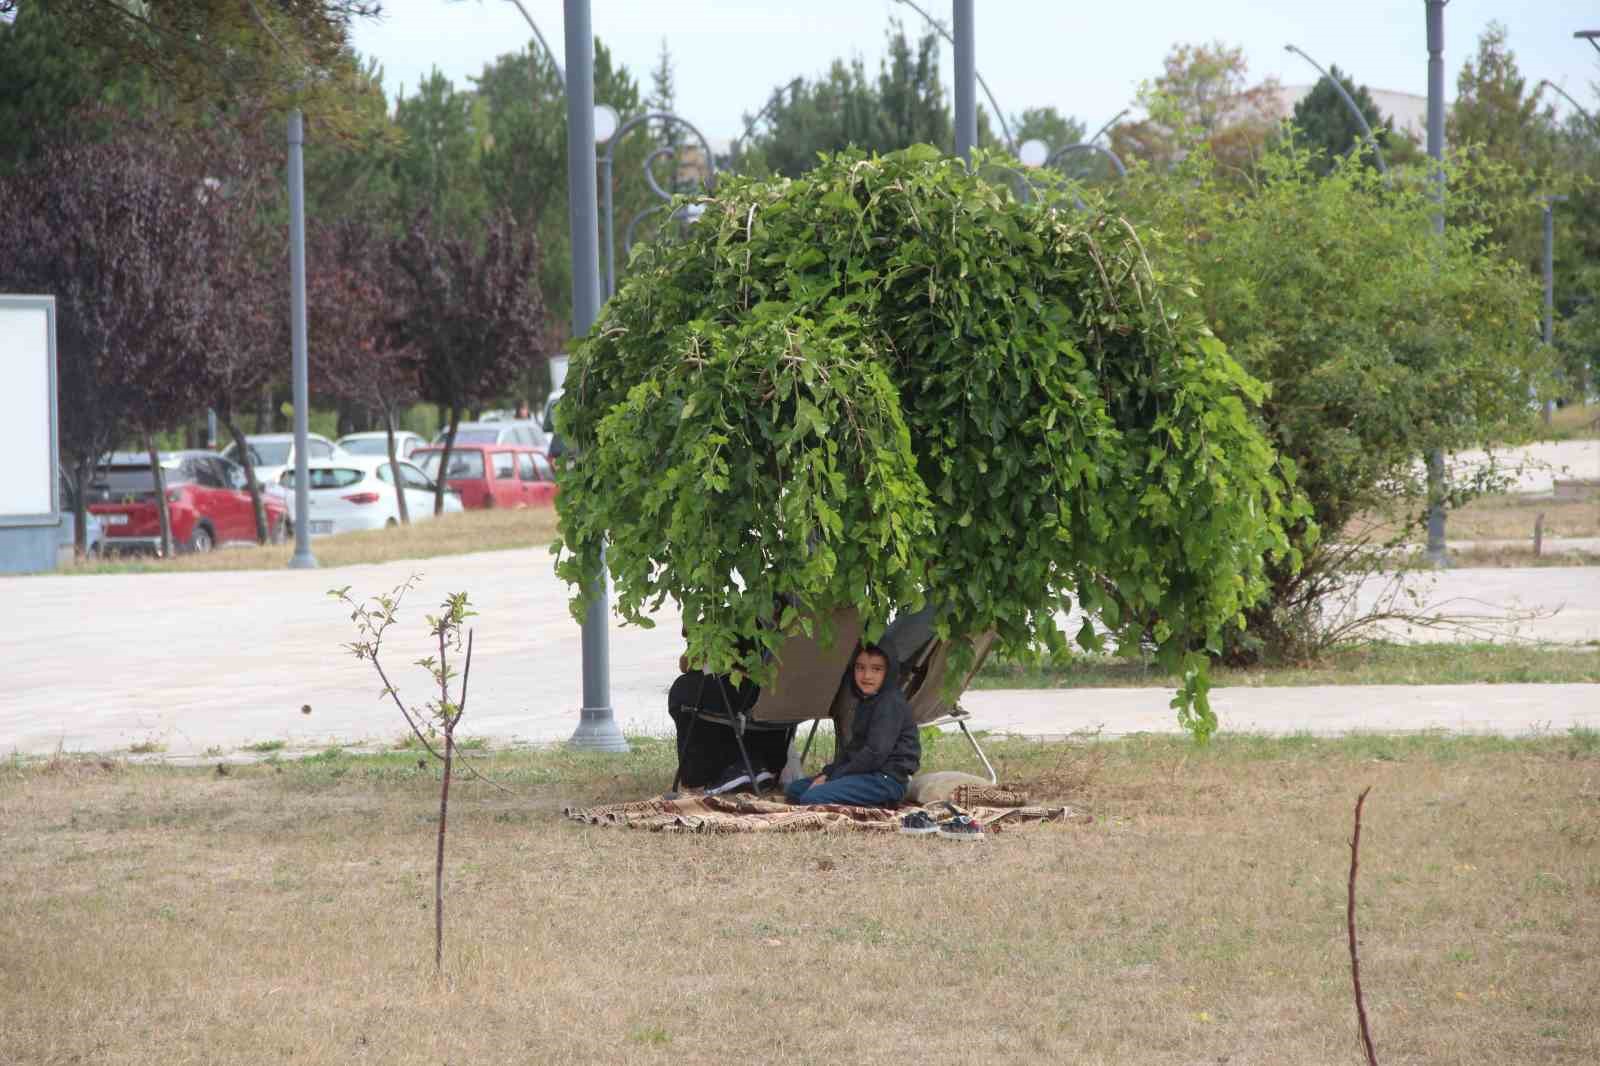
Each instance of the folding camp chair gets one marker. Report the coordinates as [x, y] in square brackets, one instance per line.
[806, 687]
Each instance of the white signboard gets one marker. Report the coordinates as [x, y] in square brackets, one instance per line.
[27, 409]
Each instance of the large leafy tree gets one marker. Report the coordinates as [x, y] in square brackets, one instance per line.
[472, 318]
[888, 382]
[1379, 341]
[1205, 94]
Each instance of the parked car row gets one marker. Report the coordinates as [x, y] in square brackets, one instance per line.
[351, 486]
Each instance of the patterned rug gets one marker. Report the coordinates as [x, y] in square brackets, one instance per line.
[746, 814]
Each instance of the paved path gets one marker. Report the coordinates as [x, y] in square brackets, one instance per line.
[201, 661]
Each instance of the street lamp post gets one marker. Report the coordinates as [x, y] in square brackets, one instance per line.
[966, 79]
[1435, 11]
[597, 725]
[302, 558]
[1550, 286]
[1355, 110]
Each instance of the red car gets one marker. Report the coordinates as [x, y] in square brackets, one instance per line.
[206, 499]
[493, 475]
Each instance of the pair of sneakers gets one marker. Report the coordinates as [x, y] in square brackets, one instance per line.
[735, 779]
[959, 827]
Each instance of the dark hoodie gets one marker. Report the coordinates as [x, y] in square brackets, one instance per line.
[883, 734]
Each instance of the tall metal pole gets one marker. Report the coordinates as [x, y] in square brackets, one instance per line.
[302, 558]
[597, 726]
[966, 79]
[1436, 517]
[1550, 287]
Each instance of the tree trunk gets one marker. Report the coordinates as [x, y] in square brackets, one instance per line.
[394, 466]
[257, 507]
[81, 471]
[438, 863]
[161, 495]
[264, 410]
[444, 460]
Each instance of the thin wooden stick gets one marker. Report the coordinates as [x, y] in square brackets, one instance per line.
[1350, 923]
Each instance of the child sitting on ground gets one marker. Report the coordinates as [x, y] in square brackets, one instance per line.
[884, 749]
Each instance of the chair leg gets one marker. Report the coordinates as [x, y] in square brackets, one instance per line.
[744, 754]
[809, 738]
[677, 776]
[994, 778]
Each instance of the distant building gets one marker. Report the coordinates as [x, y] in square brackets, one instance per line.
[1407, 111]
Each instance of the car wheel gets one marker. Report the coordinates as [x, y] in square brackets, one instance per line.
[393, 523]
[201, 540]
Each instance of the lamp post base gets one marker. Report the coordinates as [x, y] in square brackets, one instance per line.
[598, 731]
[302, 561]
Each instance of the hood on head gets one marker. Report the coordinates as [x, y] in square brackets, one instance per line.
[891, 677]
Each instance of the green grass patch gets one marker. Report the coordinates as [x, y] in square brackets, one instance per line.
[1372, 664]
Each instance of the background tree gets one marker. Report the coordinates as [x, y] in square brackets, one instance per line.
[524, 167]
[1048, 125]
[436, 169]
[264, 54]
[1203, 95]
[49, 84]
[1495, 114]
[352, 303]
[115, 231]
[1425, 346]
[1325, 125]
[843, 108]
[473, 319]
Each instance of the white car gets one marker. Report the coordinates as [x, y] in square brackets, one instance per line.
[273, 453]
[405, 442]
[358, 492]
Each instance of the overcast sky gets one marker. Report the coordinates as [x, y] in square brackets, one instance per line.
[1085, 58]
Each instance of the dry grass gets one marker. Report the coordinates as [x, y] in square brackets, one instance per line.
[281, 913]
[1573, 422]
[451, 534]
[1503, 517]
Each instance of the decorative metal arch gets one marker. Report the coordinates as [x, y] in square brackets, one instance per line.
[708, 182]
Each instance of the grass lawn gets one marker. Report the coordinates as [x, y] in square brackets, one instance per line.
[1373, 664]
[283, 913]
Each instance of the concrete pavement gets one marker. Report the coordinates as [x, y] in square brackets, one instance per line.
[196, 662]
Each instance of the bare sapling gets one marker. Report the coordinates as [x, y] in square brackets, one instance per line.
[439, 716]
[1350, 926]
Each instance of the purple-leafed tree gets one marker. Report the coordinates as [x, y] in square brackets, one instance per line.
[473, 318]
[246, 337]
[353, 303]
[117, 232]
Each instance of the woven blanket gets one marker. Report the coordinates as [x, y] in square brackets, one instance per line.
[745, 814]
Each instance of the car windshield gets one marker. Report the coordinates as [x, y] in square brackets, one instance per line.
[477, 436]
[462, 464]
[114, 481]
[368, 445]
[263, 452]
[338, 477]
